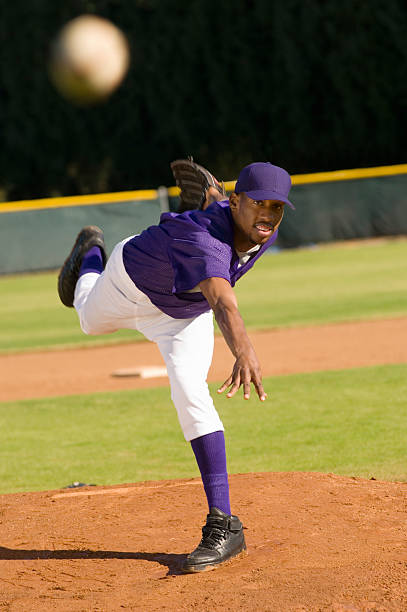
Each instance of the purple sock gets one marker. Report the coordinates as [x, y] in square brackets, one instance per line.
[92, 261]
[210, 454]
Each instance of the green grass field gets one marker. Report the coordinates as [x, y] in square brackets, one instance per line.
[348, 422]
[324, 285]
[297, 287]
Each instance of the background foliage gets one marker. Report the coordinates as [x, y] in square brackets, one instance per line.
[309, 84]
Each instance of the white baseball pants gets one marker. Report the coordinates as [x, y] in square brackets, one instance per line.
[110, 301]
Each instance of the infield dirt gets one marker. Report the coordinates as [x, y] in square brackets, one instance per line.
[283, 351]
[316, 542]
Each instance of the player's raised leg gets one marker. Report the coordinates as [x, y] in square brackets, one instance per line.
[88, 255]
[89, 282]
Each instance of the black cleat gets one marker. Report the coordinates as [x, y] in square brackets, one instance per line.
[222, 539]
[88, 237]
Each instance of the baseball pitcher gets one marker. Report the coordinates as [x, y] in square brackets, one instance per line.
[167, 283]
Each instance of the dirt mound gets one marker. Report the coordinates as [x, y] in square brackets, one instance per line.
[315, 542]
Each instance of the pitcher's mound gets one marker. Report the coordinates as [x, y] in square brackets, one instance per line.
[315, 542]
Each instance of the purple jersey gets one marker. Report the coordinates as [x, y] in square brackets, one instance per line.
[167, 260]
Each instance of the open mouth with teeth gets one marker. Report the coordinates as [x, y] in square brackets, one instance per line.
[264, 229]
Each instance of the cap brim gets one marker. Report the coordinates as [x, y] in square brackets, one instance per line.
[269, 195]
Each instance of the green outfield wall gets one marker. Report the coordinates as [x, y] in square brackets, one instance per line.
[342, 205]
[344, 210]
[33, 239]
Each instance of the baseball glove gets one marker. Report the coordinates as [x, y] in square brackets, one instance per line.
[193, 181]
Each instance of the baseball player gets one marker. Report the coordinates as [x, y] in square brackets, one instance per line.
[167, 282]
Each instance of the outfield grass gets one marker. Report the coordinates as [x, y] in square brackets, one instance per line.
[347, 422]
[295, 287]
[324, 285]
[32, 317]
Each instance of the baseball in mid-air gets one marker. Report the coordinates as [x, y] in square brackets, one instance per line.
[89, 59]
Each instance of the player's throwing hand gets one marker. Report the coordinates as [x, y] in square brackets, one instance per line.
[244, 375]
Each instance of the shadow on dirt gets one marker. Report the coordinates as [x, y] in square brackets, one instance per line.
[172, 561]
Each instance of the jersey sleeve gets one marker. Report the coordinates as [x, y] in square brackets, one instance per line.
[196, 258]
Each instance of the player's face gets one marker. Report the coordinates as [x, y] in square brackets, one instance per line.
[255, 220]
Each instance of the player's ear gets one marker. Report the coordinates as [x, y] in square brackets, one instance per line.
[233, 200]
[279, 221]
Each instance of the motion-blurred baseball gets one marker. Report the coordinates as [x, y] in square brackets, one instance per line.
[89, 59]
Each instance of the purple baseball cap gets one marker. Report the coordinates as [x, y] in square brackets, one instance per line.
[263, 181]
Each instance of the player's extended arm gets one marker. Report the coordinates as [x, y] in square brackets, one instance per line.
[246, 369]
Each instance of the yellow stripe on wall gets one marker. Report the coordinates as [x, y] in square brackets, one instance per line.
[84, 200]
[340, 175]
[326, 177]
[151, 194]
[347, 175]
